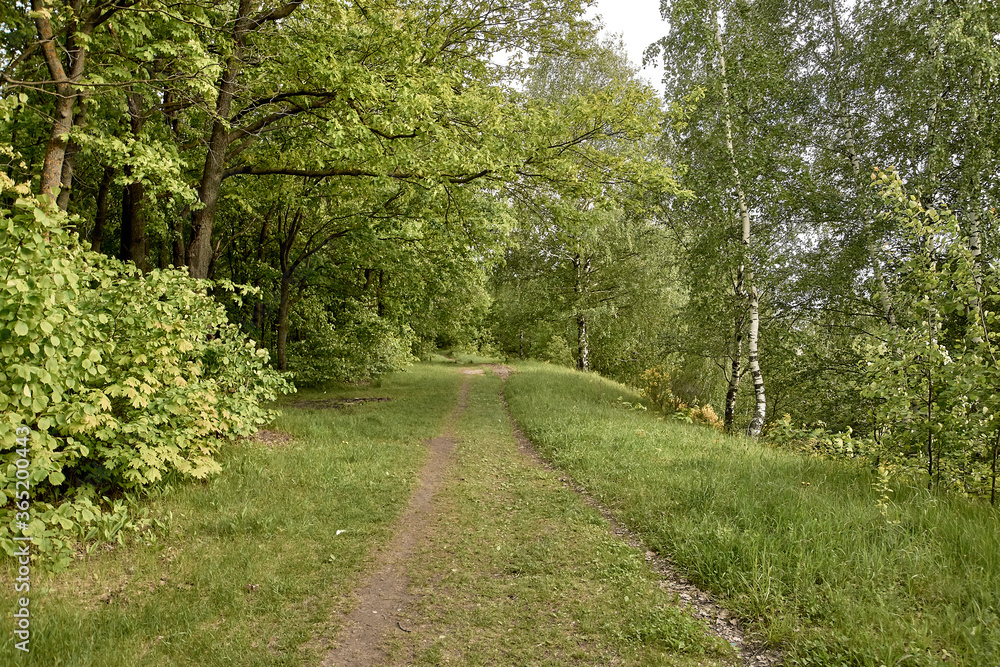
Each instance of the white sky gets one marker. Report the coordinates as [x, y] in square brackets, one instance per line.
[640, 25]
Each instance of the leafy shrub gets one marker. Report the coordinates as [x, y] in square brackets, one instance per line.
[122, 379]
[705, 415]
[353, 346]
[656, 385]
[556, 351]
[818, 441]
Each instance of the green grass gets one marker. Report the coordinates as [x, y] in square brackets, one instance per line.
[797, 545]
[252, 569]
[518, 570]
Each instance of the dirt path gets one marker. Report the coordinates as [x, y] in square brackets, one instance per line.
[384, 595]
[387, 613]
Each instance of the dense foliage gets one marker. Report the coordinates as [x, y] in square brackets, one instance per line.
[121, 379]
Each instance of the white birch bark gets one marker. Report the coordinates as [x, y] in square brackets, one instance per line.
[745, 276]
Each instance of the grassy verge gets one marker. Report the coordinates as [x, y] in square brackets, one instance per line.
[257, 559]
[519, 571]
[796, 544]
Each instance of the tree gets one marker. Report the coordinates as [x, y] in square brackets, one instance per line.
[583, 243]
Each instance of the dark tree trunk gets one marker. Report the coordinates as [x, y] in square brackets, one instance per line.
[133, 228]
[284, 305]
[258, 308]
[729, 420]
[380, 294]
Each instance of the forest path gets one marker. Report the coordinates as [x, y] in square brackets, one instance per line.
[500, 559]
[384, 595]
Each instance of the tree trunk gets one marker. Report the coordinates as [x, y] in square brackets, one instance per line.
[133, 227]
[380, 294]
[729, 420]
[284, 305]
[760, 413]
[199, 253]
[55, 151]
[993, 472]
[66, 181]
[583, 362]
[971, 165]
[65, 98]
[258, 307]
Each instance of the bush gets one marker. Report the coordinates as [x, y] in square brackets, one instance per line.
[657, 386]
[353, 346]
[121, 379]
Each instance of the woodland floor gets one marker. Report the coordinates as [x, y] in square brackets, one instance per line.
[401, 605]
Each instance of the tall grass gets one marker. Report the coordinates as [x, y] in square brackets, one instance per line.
[798, 546]
[258, 559]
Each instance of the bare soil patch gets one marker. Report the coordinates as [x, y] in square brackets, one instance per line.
[501, 371]
[700, 604]
[384, 595]
[273, 438]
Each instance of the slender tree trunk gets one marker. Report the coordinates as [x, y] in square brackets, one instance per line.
[380, 294]
[760, 412]
[258, 308]
[971, 166]
[284, 305]
[133, 227]
[729, 421]
[993, 474]
[753, 353]
[582, 269]
[930, 432]
[583, 362]
[178, 246]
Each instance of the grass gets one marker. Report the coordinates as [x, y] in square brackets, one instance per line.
[253, 568]
[519, 570]
[463, 357]
[796, 545]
